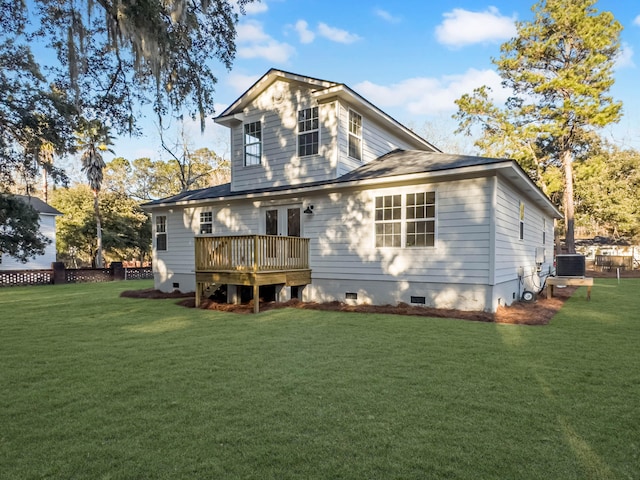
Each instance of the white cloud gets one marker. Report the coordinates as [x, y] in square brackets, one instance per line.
[271, 50]
[636, 21]
[336, 34]
[386, 16]
[462, 27]
[625, 58]
[253, 42]
[250, 31]
[256, 7]
[306, 35]
[431, 96]
[240, 83]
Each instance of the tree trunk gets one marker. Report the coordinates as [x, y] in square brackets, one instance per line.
[569, 210]
[96, 209]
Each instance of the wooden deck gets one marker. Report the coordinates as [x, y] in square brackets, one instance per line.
[251, 260]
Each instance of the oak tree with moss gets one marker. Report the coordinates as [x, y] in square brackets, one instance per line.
[560, 70]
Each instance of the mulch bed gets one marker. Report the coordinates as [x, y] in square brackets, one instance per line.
[539, 312]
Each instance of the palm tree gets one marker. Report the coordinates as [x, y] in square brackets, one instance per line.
[94, 138]
[45, 154]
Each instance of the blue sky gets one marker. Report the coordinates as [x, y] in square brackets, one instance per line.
[412, 59]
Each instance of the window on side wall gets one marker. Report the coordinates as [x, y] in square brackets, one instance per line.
[521, 234]
[544, 231]
[388, 221]
[421, 219]
[308, 132]
[206, 222]
[355, 135]
[252, 144]
[161, 232]
[406, 220]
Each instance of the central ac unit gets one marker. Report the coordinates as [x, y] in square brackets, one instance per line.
[570, 265]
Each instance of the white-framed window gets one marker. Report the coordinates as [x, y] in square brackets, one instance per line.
[252, 144]
[161, 232]
[407, 220]
[355, 135]
[308, 132]
[544, 231]
[388, 221]
[421, 219]
[206, 222]
[521, 224]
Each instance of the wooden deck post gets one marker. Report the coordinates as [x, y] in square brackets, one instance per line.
[256, 298]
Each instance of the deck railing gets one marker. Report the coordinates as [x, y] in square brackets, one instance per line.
[251, 253]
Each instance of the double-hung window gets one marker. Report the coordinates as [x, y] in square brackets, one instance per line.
[355, 135]
[421, 219]
[388, 221]
[161, 232]
[521, 234]
[405, 220]
[308, 132]
[252, 144]
[206, 222]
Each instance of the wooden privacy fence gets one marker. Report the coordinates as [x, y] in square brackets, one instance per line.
[609, 262]
[59, 274]
[252, 253]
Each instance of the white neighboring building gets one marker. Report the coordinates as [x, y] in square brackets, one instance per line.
[48, 216]
[387, 216]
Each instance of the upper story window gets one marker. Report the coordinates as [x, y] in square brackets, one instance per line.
[355, 135]
[206, 222]
[544, 231]
[308, 132]
[161, 232]
[252, 143]
[406, 221]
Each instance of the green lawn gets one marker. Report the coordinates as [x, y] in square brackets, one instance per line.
[94, 386]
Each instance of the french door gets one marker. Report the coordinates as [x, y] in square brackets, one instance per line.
[283, 221]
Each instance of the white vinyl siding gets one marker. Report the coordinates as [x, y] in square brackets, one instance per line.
[511, 252]
[376, 141]
[343, 244]
[40, 262]
[280, 162]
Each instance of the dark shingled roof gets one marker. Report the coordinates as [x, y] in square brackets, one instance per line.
[39, 205]
[407, 162]
[395, 163]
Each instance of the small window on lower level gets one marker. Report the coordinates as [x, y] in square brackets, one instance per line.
[206, 222]
[161, 232]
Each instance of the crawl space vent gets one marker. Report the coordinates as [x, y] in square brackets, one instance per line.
[420, 300]
[351, 296]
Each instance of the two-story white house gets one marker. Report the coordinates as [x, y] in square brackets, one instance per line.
[332, 199]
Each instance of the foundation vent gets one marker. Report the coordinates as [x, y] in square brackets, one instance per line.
[419, 300]
[351, 296]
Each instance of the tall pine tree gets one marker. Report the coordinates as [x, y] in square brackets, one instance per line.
[560, 69]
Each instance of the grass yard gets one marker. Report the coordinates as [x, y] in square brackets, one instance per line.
[94, 386]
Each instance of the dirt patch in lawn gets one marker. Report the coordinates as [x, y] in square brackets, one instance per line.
[539, 312]
[152, 293]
